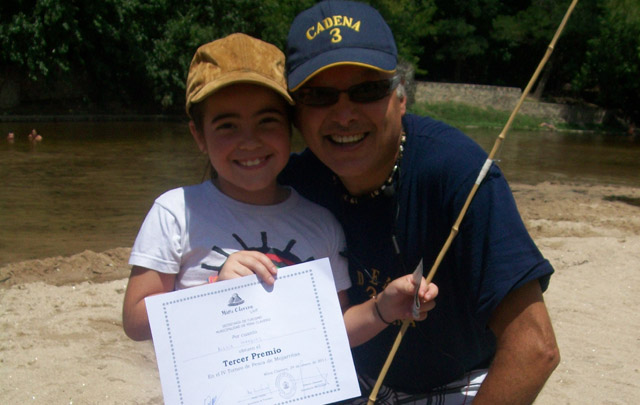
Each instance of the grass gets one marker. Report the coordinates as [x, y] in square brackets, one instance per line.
[465, 116]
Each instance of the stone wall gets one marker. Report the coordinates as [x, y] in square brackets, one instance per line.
[505, 99]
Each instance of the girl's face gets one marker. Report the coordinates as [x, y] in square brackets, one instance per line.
[246, 134]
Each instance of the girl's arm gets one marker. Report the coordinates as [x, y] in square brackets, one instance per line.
[143, 283]
[395, 302]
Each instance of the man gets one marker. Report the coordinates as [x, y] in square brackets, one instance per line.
[397, 182]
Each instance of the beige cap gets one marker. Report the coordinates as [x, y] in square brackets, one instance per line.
[237, 58]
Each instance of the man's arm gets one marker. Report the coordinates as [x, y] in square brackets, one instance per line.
[527, 352]
[364, 321]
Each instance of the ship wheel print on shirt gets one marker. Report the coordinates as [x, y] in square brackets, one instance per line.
[281, 258]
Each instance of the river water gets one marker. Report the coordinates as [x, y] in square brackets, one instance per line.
[88, 185]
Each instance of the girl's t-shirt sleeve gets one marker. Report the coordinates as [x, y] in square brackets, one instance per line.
[158, 245]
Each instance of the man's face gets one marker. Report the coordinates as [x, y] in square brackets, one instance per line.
[357, 141]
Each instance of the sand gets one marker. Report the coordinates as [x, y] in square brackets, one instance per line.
[61, 339]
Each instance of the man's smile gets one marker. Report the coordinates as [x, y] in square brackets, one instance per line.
[347, 139]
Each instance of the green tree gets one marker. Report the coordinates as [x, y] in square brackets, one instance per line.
[411, 22]
[521, 39]
[192, 24]
[39, 39]
[95, 45]
[457, 48]
[610, 73]
[135, 53]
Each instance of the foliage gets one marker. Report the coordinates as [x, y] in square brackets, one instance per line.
[42, 39]
[135, 53]
[95, 43]
[521, 38]
[411, 22]
[132, 51]
[456, 50]
[191, 25]
[610, 73]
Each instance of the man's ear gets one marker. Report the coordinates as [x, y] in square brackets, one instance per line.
[198, 137]
[403, 104]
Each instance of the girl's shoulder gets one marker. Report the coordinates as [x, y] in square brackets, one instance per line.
[180, 195]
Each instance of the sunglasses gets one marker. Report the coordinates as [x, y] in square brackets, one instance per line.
[366, 92]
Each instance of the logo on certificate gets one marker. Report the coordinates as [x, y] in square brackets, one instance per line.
[235, 300]
[286, 385]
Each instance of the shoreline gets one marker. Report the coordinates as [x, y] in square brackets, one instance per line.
[27, 118]
[62, 315]
[547, 122]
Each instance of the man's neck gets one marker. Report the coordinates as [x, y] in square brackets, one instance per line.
[364, 185]
[371, 184]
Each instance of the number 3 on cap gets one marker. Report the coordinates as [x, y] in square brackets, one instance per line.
[335, 35]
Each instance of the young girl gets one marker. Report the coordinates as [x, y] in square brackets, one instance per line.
[242, 221]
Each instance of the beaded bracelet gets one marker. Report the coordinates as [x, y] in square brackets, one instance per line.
[375, 303]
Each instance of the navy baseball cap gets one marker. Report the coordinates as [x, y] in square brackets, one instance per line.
[334, 33]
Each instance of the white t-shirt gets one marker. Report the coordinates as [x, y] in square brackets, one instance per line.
[190, 231]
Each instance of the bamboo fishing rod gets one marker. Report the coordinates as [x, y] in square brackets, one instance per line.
[472, 193]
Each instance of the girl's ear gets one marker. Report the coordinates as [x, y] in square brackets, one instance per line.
[198, 137]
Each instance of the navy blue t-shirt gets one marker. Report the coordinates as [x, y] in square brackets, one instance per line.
[491, 255]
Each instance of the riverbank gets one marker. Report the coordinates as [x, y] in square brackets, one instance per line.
[34, 118]
[465, 116]
[61, 339]
[472, 111]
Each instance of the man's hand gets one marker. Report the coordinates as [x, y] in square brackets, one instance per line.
[364, 321]
[396, 301]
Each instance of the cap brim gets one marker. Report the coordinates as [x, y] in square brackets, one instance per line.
[239, 77]
[368, 58]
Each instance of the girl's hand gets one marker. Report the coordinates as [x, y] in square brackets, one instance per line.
[248, 262]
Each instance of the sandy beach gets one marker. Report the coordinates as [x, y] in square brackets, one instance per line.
[61, 339]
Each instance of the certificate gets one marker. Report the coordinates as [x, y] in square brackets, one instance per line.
[241, 342]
